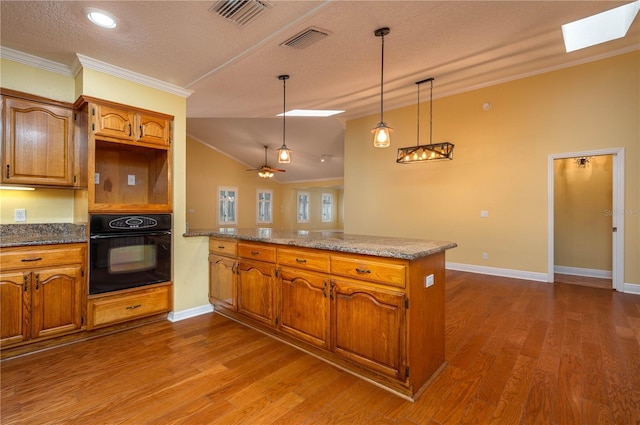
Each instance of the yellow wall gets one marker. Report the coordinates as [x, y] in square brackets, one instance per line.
[500, 164]
[208, 169]
[582, 227]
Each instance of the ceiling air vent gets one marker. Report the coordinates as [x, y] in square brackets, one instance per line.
[306, 38]
[240, 12]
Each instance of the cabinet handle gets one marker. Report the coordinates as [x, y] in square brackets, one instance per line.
[363, 270]
[27, 260]
[324, 289]
[301, 260]
[141, 134]
[25, 282]
[255, 252]
[37, 281]
[331, 290]
[8, 168]
[129, 129]
[133, 307]
[220, 247]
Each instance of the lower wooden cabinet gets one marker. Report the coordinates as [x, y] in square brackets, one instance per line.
[304, 306]
[42, 292]
[369, 315]
[368, 326]
[256, 290]
[112, 308]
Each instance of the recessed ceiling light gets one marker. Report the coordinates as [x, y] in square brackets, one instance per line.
[311, 113]
[600, 28]
[101, 18]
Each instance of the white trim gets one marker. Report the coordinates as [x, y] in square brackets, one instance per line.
[125, 74]
[495, 271]
[35, 61]
[617, 213]
[176, 316]
[579, 271]
[631, 288]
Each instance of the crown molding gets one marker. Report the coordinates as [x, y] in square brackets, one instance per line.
[116, 71]
[35, 61]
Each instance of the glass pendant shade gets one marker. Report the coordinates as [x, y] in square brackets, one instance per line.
[284, 154]
[265, 174]
[430, 152]
[382, 135]
[381, 132]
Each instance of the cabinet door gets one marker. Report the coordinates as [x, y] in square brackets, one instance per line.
[112, 122]
[304, 306]
[154, 130]
[256, 290]
[56, 300]
[37, 144]
[15, 296]
[368, 326]
[222, 282]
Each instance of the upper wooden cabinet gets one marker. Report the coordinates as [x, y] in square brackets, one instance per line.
[38, 142]
[130, 125]
[129, 157]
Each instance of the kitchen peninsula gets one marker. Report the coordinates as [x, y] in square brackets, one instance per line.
[373, 306]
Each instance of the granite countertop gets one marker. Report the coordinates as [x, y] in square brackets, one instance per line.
[381, 246]
[12, 235]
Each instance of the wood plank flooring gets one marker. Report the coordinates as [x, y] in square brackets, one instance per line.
[517, 352]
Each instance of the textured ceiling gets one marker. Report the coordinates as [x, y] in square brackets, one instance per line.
[233, 70]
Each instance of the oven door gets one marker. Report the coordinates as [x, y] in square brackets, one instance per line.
[128, 260]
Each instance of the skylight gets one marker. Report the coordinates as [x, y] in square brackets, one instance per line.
[606, 26]
[311, 113]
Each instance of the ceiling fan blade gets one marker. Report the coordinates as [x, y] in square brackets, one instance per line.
[278, 170]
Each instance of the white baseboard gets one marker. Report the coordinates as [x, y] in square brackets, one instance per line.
[578, 271]
[495, 271]
[176, 316]
[631, 288]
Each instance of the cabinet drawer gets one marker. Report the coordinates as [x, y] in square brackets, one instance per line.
[309, 260]
[128, 306]
[388, 273]
[223, 246]
[257, 252]
[41, 256]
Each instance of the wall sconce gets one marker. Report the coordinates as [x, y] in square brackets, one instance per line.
[420, 153]
[382, 132]
[583, 161]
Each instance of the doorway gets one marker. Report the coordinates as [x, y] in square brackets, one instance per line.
[572, 231]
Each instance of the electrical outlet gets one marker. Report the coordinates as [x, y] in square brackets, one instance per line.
[428, 281]
[20, 214]
[96, 178]
[484, 214]
[485, 256]
[131, 180]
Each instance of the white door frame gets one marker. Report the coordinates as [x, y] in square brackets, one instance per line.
[617, 213]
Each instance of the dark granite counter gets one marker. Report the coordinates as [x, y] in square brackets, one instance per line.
[41, 234]
[380, 246]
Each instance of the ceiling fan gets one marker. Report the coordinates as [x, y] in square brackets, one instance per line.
[266, 172]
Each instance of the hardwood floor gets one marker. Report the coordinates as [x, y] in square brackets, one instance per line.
[517, 352]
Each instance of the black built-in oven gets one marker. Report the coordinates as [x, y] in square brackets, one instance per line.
[128, 251]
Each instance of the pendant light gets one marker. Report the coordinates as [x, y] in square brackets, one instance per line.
[284, 154]
[381, 132]
[421, 153]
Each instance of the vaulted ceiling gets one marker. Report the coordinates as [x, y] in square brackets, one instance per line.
[232, 69]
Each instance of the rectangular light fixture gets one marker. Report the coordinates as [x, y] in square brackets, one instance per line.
[16, 188]
[311, 113]
[430, 152]
[600, 28]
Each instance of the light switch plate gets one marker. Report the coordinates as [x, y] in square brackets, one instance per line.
[20, 214]
[131, 180]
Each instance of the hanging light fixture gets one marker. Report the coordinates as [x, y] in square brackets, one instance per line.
[419, 153]
[381, 132]
[284, 154]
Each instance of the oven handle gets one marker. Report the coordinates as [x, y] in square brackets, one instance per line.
[119, 235]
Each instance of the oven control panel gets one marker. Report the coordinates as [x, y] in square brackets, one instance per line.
[133, 222]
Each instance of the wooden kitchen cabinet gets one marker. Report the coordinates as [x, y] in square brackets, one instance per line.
[38, 142]
[373, 316]
[129, 157]
[43, 292]
[368, 326]
[222, 282]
